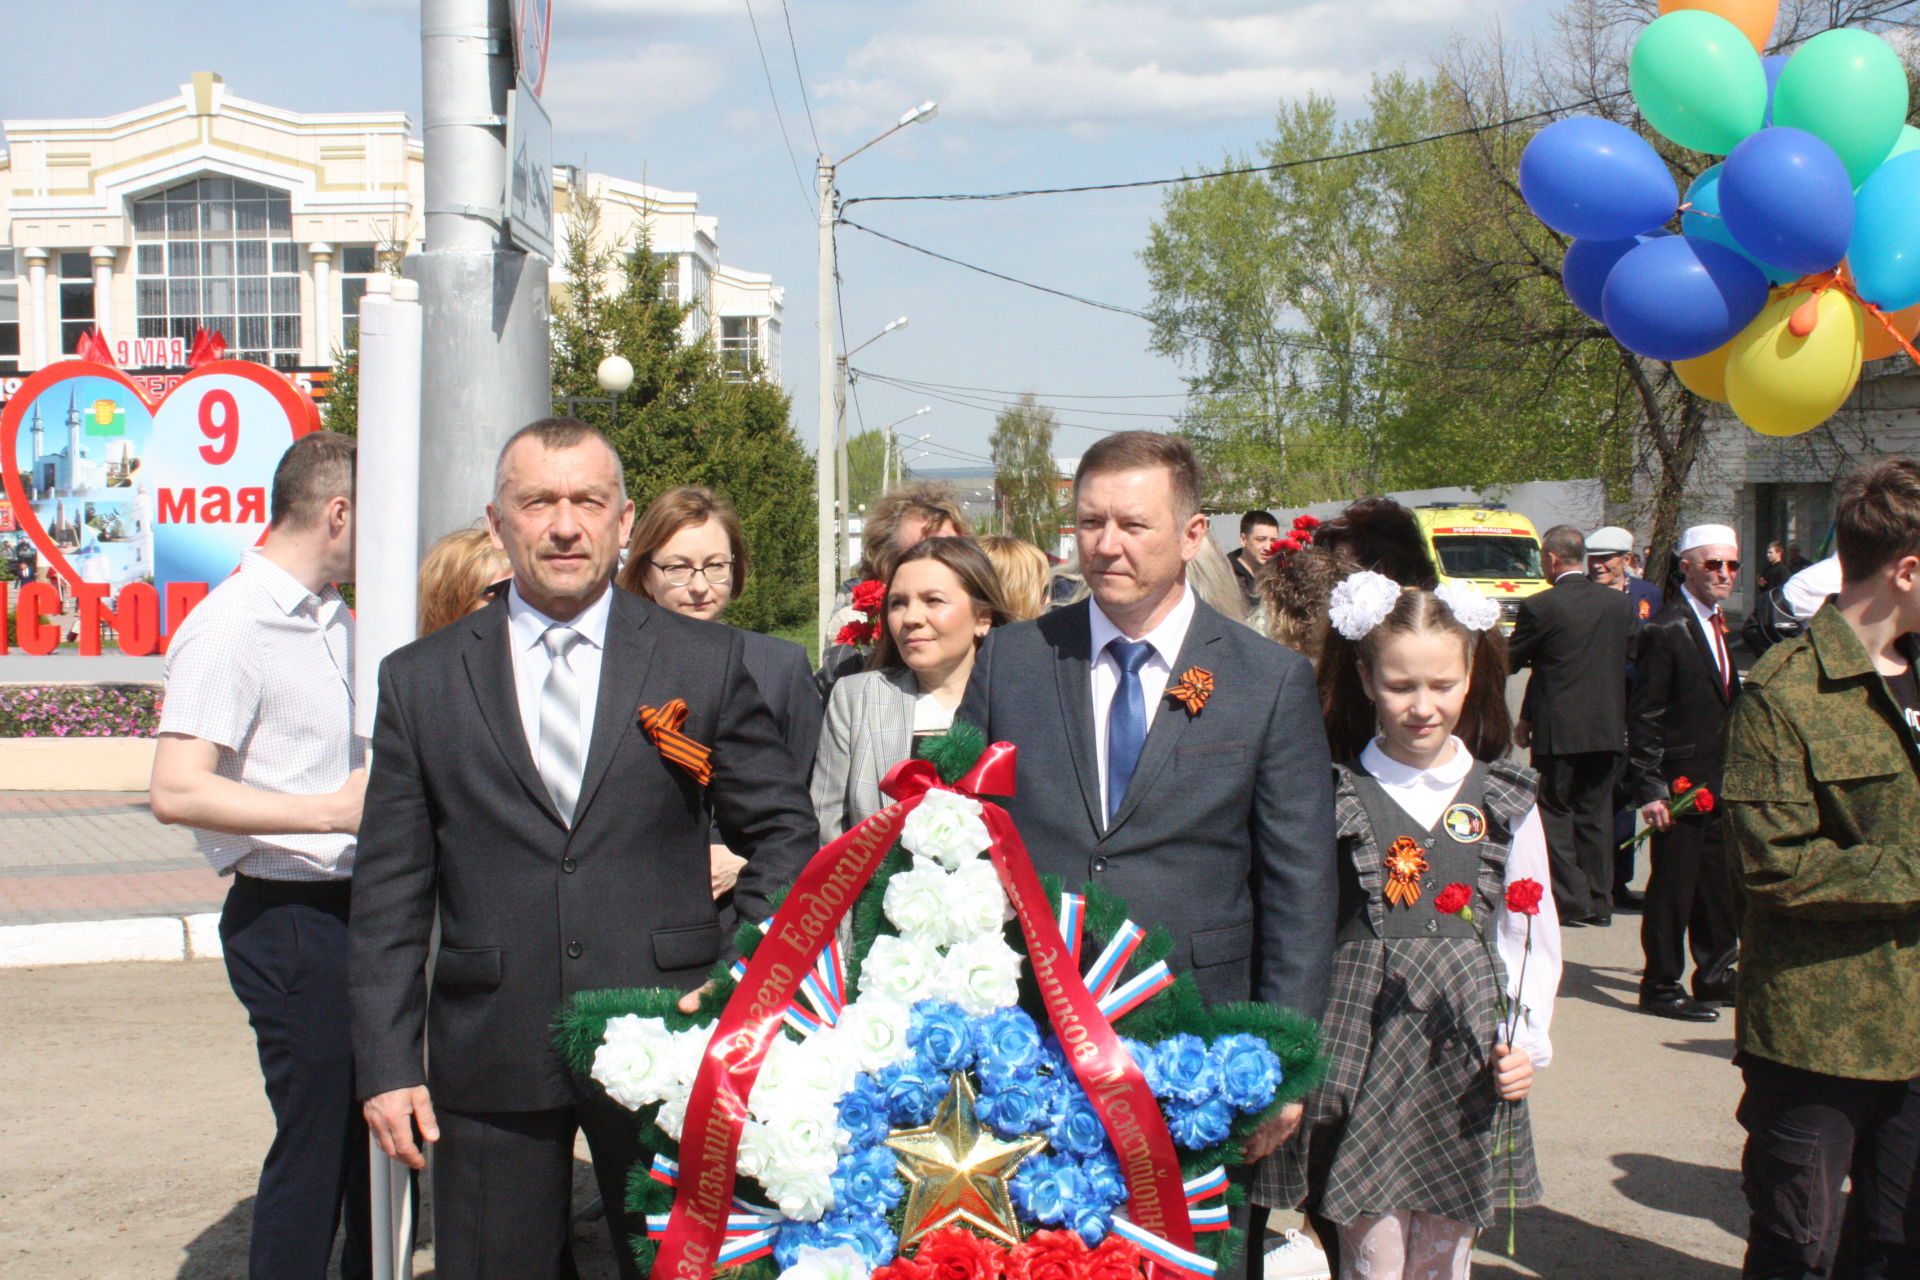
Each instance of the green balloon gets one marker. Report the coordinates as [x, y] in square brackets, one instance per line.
[1909, 140]
[1848, 89]
[1698, 80]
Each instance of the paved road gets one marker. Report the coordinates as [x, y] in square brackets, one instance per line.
[96, 855]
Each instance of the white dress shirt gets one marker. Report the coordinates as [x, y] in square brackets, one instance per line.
[531, 662]
[1166, 640]
[1716, 642]
[1425, 795]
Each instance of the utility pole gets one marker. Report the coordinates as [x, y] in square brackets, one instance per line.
[486, 368]
[829, 402]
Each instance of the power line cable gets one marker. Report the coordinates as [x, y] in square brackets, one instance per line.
[767, 71]
[794, 47]
[1041, 395]
[1360, 153]
[1011, 398]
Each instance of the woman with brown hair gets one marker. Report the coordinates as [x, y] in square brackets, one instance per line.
[458, 576]
[942, 599]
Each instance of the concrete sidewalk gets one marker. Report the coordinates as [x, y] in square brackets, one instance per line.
[90, 876]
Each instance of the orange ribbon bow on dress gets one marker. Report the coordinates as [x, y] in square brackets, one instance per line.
[1193, 689]
[1405, 865]
[663, 726]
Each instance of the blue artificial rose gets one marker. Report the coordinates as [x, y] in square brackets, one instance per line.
[1249, 1071]
[942, 1034]
[1185, 1070]
[864, 1112]
[1037, 1189]
[1077, 1131]
[1091, 1221]
[866, 1233]
[1006, 1044]
[1016, 1106]
[1105, 1186]
[865, 1182]
[1198, 1125]
[914, 1090]
[791, 1237]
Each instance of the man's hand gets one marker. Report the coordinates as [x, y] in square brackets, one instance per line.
[1523, 733]
[1267, 1138]
[1512, 1072]
[391, 1117]
[347, 803]
[723, 868]
[690, 1002]
[1657, 815]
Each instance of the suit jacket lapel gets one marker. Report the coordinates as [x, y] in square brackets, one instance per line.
[1169, 722]
[1704, 643]
[489, 663]
[1073, 679]
[623, 670]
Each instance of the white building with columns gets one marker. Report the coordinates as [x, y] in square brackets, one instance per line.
[208, 210]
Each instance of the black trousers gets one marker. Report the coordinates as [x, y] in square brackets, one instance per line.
[1689, 907]
[1806, 1133]
[1576, 808]
[503, 1187]
[286, 954]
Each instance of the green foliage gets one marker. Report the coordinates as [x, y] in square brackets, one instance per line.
[340, 411]
[1024, 471]
[684, 420]
[866, 460]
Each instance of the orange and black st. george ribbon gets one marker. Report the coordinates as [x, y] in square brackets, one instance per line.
[663, 726]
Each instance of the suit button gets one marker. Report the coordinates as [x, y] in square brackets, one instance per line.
[1099, 865]
[574, 949]
[568, 865]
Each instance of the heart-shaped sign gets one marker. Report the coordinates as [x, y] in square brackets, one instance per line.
[113, 491]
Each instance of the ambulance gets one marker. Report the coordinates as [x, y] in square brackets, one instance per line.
[1490, 547]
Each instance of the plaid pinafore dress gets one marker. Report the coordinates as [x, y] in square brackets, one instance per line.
[1407, 1117]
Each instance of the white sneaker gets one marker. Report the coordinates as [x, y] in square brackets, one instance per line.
[1298, 1258]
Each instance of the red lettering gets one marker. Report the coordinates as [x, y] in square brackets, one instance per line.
[37, 599]
[177, 506]
[222, 427]
[93, 604]
[136, 621]
[215, 505]
[3, 619]
[250, 505]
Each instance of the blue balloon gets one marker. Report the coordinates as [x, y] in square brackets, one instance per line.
[1787, 200]
[1702, 221]
[1773, 67]
[1885, 250]
[1583, 273]
[1675, 297]
[1596, 180]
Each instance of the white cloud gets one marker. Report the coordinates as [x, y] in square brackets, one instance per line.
[621, 94]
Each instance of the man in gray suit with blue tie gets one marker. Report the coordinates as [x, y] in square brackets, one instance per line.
[1193, 745]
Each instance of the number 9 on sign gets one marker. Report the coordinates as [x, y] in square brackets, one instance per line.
[220, 423]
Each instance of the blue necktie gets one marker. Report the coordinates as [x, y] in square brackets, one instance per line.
[1126, 720]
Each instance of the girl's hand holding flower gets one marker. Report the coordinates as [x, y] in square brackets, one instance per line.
[1512, 1072]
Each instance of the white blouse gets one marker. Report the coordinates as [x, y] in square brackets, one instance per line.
[1425, 794]
[929, 716]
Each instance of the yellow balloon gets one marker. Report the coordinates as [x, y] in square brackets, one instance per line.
[1706, 376]
[1781, 385]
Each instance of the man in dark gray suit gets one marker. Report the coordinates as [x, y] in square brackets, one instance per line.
[1215, 823]
[563, 845]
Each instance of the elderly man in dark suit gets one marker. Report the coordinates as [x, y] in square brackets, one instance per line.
[1575, 635]
[518, 794]
[1683, 681]
[1211, 817]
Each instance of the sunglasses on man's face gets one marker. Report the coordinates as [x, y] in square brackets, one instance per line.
[1715, 566]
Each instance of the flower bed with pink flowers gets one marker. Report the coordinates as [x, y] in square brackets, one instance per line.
[79, 711]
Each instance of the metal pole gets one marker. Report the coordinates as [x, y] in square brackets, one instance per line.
[843, 550]
[485, 361]
[829, 384]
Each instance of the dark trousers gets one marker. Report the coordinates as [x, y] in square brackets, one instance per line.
[503, 1189]
[1806, 1133]
[1576, 808]
[1689, 908]
[286, 954]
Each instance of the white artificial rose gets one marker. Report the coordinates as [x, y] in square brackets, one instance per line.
[980, 976]
[842, 1262]
[916, 902]
[898, 969]
[946, 828]
[673, 1115]
[873, 1029]
[793, 1158]
[976, 902]
[639, 1061]
[809, 1077]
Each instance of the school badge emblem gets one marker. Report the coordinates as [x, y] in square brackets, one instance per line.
[1464, 823]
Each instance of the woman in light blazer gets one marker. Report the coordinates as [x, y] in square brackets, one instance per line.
[942, 600]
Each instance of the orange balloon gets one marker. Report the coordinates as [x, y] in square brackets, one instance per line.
[1880, 344]
[1753, 17]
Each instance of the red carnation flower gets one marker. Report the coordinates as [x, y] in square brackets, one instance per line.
[854, 633]
[1115, 1259]
[1703, 801]
[1453, 899]
[1306, 523]
[1680, 784]
[1523, 897]
[958, 1254]
[1047, 1255]
[869, 596]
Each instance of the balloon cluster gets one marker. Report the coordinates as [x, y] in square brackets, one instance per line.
[1798, 256]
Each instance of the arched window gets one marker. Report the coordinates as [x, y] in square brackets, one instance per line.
[218, 252]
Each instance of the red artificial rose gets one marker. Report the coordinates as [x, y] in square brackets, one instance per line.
[1681, 784]
[869, 596]
[1453, 900]
[1306, 523]
[1115, 1259]
[854, 633]
[1047, 1255]
[1703, 801]
[958, 1254]
[901, 1268]
[1523, 897]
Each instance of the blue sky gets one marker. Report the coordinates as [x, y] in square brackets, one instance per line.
[1032, 93]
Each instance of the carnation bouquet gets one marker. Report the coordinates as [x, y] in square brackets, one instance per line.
[930, 1064]
[858, 623]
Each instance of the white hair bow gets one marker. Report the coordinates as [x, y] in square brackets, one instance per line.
[1471, 609]
[1360, 602]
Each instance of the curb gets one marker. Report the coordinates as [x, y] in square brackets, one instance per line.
[195, 937]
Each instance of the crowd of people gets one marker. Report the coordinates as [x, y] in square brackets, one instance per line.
[537, 823]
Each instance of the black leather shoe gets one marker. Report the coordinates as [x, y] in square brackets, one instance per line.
[1629, 898]
[1712, 993]
[1601, 921]
[1679, 1007]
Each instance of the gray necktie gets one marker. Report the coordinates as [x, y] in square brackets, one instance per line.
[560, 755]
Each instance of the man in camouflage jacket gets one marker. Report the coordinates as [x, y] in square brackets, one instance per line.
[1822, 802]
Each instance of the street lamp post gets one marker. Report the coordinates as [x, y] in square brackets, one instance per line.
[887, 450]
[832, 392]
[615, 375]
[841, 543]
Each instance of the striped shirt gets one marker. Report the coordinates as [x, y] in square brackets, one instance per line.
[263, 669]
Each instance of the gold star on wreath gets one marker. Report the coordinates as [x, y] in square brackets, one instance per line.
[958, 1171]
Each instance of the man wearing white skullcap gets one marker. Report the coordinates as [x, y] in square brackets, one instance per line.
[1683, 681]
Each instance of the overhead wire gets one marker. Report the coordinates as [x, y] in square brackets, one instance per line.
[806, 103]
[767, 71]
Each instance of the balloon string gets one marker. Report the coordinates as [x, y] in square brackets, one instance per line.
[1819, 283]
[1893, 331]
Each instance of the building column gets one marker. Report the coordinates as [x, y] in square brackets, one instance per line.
[320, 345]
[102, 290]
[37, 308]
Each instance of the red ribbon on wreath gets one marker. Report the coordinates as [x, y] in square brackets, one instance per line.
[824, 893]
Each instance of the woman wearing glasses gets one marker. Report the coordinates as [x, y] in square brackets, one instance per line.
[687, 554]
